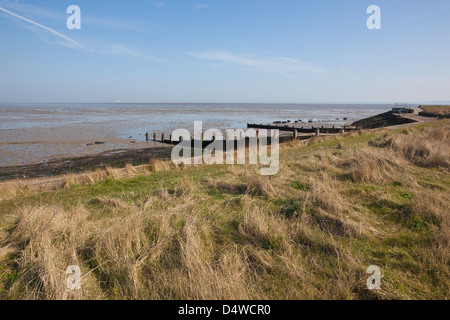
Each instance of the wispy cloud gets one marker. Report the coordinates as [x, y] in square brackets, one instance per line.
[108, 23]
[122, 50]
[54, 32]
[201, 6]
[93, 45]
[279, 65]
[88, 20]
[30, 10]
[160, 4]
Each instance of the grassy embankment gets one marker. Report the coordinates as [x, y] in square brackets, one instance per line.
[224, 232]
[441, 111]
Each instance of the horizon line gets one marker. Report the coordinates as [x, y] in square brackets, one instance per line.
[223, 102]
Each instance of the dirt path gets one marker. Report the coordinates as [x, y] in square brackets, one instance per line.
[415, 117]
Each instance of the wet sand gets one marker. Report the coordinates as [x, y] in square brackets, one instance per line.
[41, 145]
[37, 136]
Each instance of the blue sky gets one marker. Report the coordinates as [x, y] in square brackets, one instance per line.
[289, 51]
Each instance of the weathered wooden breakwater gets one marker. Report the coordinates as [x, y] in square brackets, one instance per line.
[163, 138]
[291, 131]
[296, 132]
[299, 129]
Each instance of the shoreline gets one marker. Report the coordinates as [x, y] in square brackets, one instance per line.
[119, 158]
[41, 133]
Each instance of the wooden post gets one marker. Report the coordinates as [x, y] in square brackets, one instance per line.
[162, 137]
[257, 134]
[317, 132]
[146, 136]
[154, 136]
[295, 133]
[341, 131]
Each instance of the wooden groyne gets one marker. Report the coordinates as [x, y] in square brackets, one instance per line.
[299, 129]
[291, 131]
[164, 138]
[298, 133]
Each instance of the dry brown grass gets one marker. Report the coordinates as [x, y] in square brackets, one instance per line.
[433, 208]
[155, 252]
[131, 171]
[307, 233]
[134, 249]
[333, 212]
[92, 177]
[84, 178]
[436, 111]
[49, 238]
[114, 173]
[259, 225]
[9, 190]
[386, 157]
[373, 165]
[293, 144]
[326, 195]
[156, 165]
[206, 277]
[108, 202]
[429, 149]
[260, 185]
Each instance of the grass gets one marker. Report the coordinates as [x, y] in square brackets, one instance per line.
[442, 111]
[337, 206]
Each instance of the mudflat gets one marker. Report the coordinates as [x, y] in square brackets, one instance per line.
[39, 133]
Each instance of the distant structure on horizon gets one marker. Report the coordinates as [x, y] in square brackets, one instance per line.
[402, 107]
